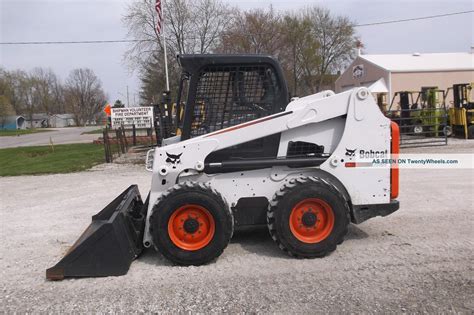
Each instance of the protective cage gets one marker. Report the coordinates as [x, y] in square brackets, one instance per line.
[229, 95]
[110, 243]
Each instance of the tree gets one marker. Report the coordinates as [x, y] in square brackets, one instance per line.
[118, 104]
[309, 44]
[298, 53]
[336, 38]
[191, 26]
[47, 91]
[6, 109]
[37, 91]
[258, 32]
[84, 95]
[15, 87]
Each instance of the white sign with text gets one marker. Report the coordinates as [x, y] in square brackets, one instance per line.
[141, 117]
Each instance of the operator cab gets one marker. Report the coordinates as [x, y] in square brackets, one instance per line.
[220, 91]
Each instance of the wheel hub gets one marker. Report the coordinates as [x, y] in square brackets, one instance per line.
[191, 225]
[309, 219]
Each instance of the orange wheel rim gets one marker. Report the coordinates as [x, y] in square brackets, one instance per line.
[311, 220]
[191, 227]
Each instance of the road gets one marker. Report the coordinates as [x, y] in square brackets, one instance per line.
[417, 260]
[58, 136]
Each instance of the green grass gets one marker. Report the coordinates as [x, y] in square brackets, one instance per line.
[6, 133]
[65, 158]
[93, 132]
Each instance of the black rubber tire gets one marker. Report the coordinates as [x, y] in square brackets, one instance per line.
[287, 197]
[418, 128]
[470, 132]
[447, 131]
[191, 193]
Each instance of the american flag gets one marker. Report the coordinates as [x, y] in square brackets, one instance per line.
[159, 18]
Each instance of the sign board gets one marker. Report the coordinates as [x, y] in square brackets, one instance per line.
[141, 117]
[358, 71]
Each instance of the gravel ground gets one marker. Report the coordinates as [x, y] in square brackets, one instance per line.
[58, 136]
[418, 259]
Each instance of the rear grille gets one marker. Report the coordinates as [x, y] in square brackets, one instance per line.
[302, 149]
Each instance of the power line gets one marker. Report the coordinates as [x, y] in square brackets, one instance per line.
[75, 42]
[414, 19]
[147, 40]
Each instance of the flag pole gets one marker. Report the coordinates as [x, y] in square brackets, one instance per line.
[164, 47]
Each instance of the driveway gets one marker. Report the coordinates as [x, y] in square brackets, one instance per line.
[58, 136]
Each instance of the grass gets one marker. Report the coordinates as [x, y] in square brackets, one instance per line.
[7, 133]
[65, 158]
[93, 132]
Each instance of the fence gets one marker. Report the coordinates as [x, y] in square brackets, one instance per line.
[421, 127]
[118, 141]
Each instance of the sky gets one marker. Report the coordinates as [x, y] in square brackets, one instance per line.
[76, 20]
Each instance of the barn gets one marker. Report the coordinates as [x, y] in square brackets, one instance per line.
[62, 120]
[391, 73]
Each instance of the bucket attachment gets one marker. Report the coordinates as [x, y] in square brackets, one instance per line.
[110, 243]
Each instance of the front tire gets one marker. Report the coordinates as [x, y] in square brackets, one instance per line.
[191, 224]
[308, 217]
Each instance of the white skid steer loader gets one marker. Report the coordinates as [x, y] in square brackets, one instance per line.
[241, 160]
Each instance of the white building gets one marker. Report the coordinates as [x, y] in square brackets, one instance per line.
[62, 120]
[408, 72]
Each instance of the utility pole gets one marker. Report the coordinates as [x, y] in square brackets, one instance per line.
[128, 101]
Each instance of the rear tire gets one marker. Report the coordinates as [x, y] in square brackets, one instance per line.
[470, 132]
[191, 224]
[308, 217]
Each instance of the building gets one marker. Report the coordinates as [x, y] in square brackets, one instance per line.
[12, 122]
[37, 121]
[407, 72]
[61, 120]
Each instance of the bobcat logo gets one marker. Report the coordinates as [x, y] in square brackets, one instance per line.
[173, 159]
[350, 152]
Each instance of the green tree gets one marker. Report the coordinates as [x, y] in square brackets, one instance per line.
[118, 104]
[6, 109]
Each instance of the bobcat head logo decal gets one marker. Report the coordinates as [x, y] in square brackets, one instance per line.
[350, 153]
[173, 159]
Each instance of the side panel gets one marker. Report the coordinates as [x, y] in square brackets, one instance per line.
[366, 130]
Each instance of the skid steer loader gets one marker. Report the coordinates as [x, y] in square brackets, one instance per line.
[246, 157]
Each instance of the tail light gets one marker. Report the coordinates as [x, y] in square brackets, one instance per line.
[394, 170]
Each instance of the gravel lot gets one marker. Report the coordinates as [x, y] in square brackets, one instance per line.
[419, 259]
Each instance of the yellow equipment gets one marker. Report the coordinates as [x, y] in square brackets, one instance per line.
[461, 115]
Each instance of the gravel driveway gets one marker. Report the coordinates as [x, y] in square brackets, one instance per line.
[58, 136]
[419, 259]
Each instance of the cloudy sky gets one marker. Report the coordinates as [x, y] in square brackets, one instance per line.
[76, 20]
